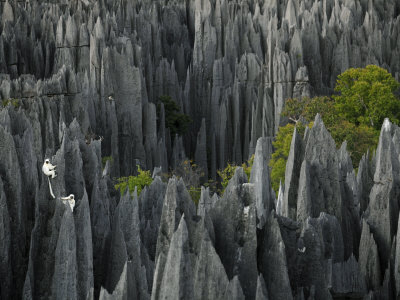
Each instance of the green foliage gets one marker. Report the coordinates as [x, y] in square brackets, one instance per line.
[177, 122]
[359, 138]
[306, 108]
[105, 159]
[12, 101]
[281, 145]
[247, 166]
[366, 96]
[227, 173]
[140, 181]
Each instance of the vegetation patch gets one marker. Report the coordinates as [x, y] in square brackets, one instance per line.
[140, 181]
[365, 97]
[227, 173]
[12, 101]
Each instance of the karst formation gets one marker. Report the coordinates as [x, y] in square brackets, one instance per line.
[81, 80]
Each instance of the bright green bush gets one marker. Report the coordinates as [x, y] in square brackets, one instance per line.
[140, 181]
[227, 173]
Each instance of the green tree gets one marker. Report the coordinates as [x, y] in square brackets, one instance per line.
[177, 122]
[140, 181]
[367, 96]
[305, 110]
[359, 138]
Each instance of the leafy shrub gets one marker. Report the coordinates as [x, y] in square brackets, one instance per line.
[140, 181]
[12, 101]
[247, 166]
[227, 173]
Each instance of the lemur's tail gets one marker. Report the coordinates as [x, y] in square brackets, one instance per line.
[51, 190]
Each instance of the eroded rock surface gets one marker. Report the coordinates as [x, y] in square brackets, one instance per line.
[80, 81]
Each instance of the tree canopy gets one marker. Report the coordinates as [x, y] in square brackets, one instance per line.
[365, 97]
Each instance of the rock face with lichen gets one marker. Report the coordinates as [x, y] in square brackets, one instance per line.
[81, 80]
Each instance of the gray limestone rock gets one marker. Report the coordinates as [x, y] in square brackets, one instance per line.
[210, 280]
[369, 258]
[64, 283]
[84, 79]
[383, 210]
[292, 175]
[178, 152]
[120, 292]
[234, 219]
[351, 220]
[304, 204]
[100, 217]
[84, 249]
[320, 153]
[177, 281]
[205, 203]
[347, 280]
[261, 293]
[314, 274]
[151, 207]
[396, 268]
[5, 249]
[177, 203]
[273, 261]
[234, 290]
[201, 150]
[260, 177]
[126, 248]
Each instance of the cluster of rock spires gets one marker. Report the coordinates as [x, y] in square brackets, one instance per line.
[329, 234]
[229, 65]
